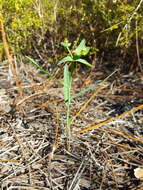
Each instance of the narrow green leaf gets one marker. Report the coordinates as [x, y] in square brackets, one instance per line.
[66, 59]
[67, 86]
[42, 70]
[84, 62]
[90, 88]
[65, 44]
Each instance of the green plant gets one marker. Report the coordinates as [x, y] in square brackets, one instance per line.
[73, 58]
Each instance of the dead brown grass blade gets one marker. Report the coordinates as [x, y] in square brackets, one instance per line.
[11, 161]
[121, 134]
[112, 119]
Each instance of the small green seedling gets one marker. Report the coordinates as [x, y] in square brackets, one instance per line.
[72, 58]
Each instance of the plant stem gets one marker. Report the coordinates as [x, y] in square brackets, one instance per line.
[70, 52]
[68, 129]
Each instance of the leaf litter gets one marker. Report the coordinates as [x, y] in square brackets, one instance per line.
[33, 153]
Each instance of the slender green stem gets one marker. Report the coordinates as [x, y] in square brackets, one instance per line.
[68, 129]
[70, 52]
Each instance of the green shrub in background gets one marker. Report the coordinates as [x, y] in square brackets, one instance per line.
[26, 19]
[19, 21]
[106, 24]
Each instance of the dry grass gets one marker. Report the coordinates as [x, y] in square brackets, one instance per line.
[33, 154]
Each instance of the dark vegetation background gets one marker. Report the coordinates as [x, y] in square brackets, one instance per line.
[112, 28]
